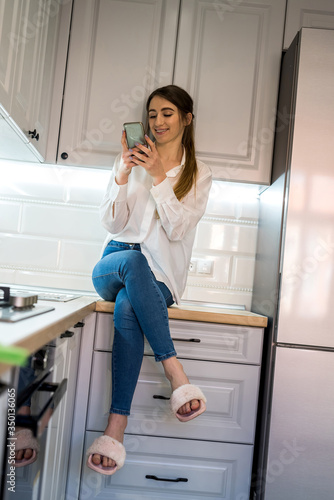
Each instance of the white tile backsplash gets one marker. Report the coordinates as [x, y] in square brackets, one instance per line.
[20, 180]
[232, 237]
[51, 236]
[79, 256]
[27, 251]
[243, 272]
[65, 221]
[10, 216]
[56, 279]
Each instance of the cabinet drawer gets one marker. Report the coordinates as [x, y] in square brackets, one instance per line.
[231, 391]
[197, 340]
[209, 470]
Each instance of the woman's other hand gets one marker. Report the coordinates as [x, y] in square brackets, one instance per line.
[149, 159]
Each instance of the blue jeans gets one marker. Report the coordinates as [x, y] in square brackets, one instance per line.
[123, 276]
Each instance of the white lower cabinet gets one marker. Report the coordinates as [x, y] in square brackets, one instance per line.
[209, 457]
[230, 389]
[168, 468]
[59, 430]
[55, 461]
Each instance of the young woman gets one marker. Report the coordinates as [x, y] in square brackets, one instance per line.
[155, 198]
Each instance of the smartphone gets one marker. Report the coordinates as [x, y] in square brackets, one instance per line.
[134, 133]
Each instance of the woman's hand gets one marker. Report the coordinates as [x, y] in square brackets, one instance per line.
[149, 159]
[127, 163]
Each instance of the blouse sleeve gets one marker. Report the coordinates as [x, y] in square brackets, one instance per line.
[180, 217]
[114, 210]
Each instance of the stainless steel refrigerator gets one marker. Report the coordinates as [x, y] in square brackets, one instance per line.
[294, 283]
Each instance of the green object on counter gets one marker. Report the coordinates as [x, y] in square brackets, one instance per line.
[12, 355]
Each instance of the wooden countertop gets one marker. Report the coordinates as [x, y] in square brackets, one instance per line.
[203, 313]
[32, 333]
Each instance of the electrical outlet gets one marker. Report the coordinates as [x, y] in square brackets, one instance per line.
[204, 266]
[193, 266]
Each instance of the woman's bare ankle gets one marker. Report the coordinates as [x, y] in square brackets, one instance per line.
[174, 372]
[116, 426]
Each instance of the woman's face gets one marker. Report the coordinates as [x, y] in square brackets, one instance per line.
[165, 121]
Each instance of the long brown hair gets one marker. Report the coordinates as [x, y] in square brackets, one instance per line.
[184, 103]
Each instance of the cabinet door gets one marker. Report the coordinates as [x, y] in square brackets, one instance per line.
[60, 471]
[228, 58]
[167, 469]
[55, 425]
[307, 14]
[9, 27]
[77, 450]
[231, 391]
[196, 340]
[119, 52]
[60, 427]
[34, 71]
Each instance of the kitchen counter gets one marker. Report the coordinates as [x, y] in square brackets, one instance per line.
[203, 313]
[32, 333]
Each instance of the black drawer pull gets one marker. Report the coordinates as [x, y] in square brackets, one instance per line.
[80, 324]
[67, 334]
[157, 396]
[177, 480]
[187, 340]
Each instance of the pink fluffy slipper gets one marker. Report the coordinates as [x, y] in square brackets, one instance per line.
[25, 440]
[184, 394]
[108, 447]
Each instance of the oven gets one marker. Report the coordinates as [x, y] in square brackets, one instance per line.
[34, 396]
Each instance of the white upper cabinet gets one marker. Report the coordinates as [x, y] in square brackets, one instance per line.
[228, 58]
[119, 52]
[29, 33]
[307, 14]
[32, 91]
[9, 25]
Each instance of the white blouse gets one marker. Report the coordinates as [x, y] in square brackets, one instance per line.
[129, 213]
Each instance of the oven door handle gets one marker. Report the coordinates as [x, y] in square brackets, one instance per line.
[28, 391]
[38, 422]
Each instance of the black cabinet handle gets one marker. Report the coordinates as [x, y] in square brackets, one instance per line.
[67, 334]
[64, 156]
[34, 134]
[177, 480]
[80, 324]
[186, 340]
[157, 396]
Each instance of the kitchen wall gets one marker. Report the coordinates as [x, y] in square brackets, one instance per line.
[50, 234]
